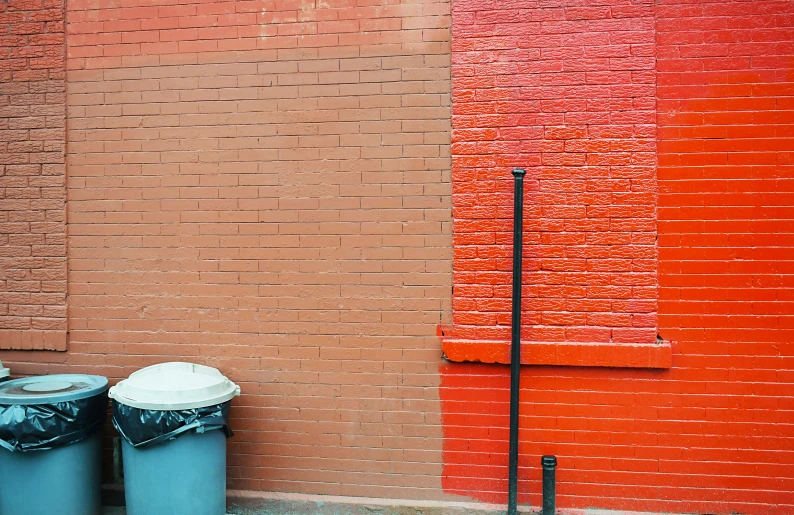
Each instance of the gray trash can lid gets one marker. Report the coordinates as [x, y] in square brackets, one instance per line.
[4, 372]
[174, 386]
[51, 389]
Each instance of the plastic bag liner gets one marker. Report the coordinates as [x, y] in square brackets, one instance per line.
[144, 427]
[41, 427]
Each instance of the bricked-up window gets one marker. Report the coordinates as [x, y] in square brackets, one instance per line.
[32, 190]
[568, 93]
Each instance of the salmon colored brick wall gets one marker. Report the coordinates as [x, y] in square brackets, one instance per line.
[713, 434]
[32, 192]
[264, 187]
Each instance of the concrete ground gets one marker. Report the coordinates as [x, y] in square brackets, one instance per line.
[115, 510]
[311, 510]
[241, 502]
[375, 509]
[323, 508]
[270, 503]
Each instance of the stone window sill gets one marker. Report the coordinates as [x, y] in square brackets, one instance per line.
[569, 354]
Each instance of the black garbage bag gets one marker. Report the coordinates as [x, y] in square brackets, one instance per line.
[40, 427]
[143, 427]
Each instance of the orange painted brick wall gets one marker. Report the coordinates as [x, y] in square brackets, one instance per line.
[264, 187]
[713, 434]
[32, 193]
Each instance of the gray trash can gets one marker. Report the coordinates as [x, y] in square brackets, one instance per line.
[174, 421]
[4, 373]
[50, 444]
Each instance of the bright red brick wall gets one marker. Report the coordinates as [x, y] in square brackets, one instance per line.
[713, 434]
[567, 92]
[32, 193]
[726, 157]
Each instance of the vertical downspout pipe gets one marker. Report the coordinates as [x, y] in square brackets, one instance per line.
[515, 342]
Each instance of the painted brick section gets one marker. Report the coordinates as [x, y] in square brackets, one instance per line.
[32, 192]
[112, 37]
[713, 434]
[280, 211]
[264, 187]
[726, 157]
[565, 90]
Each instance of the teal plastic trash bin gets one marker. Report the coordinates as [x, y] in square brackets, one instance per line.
[50, 444]
[174, 421]
[4, 373]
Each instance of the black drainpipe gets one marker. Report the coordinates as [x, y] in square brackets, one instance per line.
[515, 343]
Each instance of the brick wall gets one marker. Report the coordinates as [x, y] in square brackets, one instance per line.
[32, 193]
[264, 187]
[567, 92]
[713, 433]
[726, 116]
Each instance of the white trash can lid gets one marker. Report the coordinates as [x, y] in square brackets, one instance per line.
[174, 386]
[51, 389]
[4, 372]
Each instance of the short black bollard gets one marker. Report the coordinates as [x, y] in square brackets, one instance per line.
[549, 464]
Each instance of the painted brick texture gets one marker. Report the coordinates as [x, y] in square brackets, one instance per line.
[32, 191]
[264, 187]
[726, 116]
[712, 434]
[565, 90]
